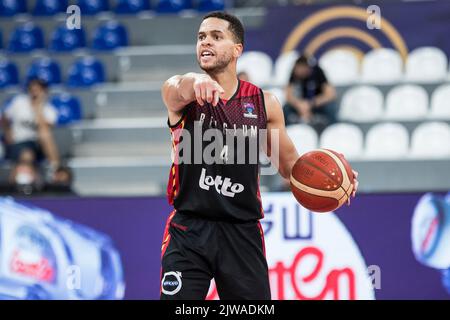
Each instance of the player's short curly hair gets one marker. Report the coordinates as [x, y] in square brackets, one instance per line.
[235, 25]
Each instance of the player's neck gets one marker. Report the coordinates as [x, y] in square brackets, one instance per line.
[228, 81]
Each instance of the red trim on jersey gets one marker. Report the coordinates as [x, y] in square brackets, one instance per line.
[173, 185]
[165, 243]
[261, 232]
[247, 89]
[166, 236]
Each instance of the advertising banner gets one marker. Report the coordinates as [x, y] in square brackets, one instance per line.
[317, 28]
[365, 251]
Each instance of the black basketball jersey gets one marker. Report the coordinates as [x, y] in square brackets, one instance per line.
[215, 154]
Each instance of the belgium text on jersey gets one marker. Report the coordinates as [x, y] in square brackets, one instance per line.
[223, 146]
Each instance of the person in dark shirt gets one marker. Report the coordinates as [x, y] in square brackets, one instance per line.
[310, 98]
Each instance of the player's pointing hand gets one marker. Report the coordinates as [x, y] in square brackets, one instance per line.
[207, 90]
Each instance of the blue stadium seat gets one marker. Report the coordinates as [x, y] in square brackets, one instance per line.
[63, 39]
[45, 69]
[9, 74]
[49, 7]
[9, 8]
[92, 7]
[85, 72]
[211, 5]
[109, 36]
[173, 6]
[68, 108]
[131, 6]
[26, 38]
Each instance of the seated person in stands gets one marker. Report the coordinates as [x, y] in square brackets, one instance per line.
[60, 182]
[27, 122]
[25, 178]
[310, 98]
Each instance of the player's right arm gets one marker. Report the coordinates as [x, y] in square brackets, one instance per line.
[180, 90]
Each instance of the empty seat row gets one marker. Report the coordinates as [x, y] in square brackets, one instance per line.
[10, 8]
[68, 107]
[342, 67]
[107, 36]
[383, 141]
[404, 102]
[84, 72]
[385, 66]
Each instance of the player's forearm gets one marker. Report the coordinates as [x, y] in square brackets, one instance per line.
[178, 91]
[286, 166]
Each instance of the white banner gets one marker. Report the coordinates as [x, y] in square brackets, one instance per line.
[310, 255]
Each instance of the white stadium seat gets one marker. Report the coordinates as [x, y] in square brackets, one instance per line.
[361, 104]
[387, 141]
[279, 93]
[431, 140]
[341, 67]
[382, 66]
[303, 136]
[283, 67]
[426, 64]
[406, 102]
[258, 66]
[343, 138]
[440, 103]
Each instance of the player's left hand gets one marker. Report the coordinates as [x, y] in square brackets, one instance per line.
[355, 186]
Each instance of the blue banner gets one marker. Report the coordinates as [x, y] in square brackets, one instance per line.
[403, 26]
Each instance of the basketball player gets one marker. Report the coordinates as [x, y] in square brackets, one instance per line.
[214, 231]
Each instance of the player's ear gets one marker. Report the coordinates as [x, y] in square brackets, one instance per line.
[238, 48]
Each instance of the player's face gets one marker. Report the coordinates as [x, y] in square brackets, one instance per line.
[215, 45]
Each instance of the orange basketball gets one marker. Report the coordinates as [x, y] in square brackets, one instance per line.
[322, 180]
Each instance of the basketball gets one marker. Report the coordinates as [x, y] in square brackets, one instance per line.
[322, 180]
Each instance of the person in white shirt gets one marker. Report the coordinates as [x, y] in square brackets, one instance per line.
[27, 122]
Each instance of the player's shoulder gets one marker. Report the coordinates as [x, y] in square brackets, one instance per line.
[273, 106]
[270, 98]
[248, 89]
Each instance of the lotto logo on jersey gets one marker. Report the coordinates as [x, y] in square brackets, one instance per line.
[223, 186]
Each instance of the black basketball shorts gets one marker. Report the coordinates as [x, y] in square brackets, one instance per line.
[195, 250]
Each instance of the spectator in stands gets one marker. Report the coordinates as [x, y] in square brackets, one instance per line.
[243, 76]
[310, 98]
[61, 182]
[25, 178]
[27, 121]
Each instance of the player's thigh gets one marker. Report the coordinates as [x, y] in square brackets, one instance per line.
[183, 277]
[243, 271]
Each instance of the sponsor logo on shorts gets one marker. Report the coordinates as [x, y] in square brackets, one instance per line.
[171, 283]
